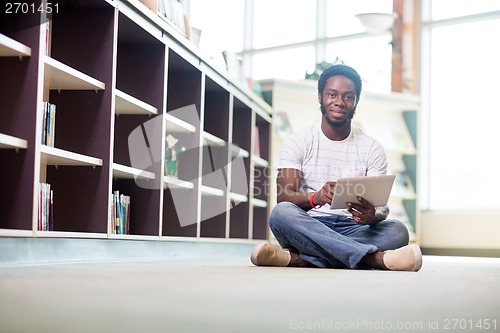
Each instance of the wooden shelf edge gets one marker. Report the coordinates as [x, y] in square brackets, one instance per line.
[174, 124]
[56, 156]
[238, 197]
[15, 233]
[12, 48]
[127, 104]
[125, 172]
[173, 182]
[259, 203]
[63, 77]
[213, 140]
[208, 190]
[238, 151]
[132, 237]
[259, 161]
[11, 142]
[70, 234]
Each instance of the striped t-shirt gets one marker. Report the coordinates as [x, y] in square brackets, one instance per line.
[321, 159]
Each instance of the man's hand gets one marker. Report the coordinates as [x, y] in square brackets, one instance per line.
[362, 212]
[325, 195]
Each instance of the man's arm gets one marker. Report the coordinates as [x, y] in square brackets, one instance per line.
[289, 186]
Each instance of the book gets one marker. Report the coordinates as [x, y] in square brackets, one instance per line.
[120, 213]
[256, 142]
[48, 124]
[45, 207]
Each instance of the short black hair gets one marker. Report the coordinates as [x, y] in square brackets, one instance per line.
[342, 70]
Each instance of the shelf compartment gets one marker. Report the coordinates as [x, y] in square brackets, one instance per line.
[125, 172]
[11, 142]
[12, 48]
[173, 182]
[59, 76]
[56, 156]
[127, 104]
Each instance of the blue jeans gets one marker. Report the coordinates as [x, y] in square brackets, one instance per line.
[333, 241]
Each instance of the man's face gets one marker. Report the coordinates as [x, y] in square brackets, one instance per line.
[338, 101]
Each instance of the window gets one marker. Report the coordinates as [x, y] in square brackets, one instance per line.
[278, 22]
[341, 19]
[284, 64]
[376, 73]
[444, 9]
[221, 23]
[460, 165]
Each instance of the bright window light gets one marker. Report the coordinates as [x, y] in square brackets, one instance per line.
[464, 115]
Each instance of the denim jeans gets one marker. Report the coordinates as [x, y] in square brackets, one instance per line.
[333, 241]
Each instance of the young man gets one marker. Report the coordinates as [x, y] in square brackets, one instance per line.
[310, 233]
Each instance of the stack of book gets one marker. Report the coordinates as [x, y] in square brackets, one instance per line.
[172, 10]
[120, 213]
[45, 208]
[48, 124]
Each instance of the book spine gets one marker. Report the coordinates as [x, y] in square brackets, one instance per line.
[117, 212]
[40, 205]
[51, 221]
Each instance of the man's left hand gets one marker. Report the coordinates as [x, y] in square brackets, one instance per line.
[362, 212]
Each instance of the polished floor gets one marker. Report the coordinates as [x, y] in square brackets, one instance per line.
[222, 292]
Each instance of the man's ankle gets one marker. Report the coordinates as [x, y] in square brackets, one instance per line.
[374, 260]
[297, 261]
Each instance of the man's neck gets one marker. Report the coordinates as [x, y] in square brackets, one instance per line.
[336, 133]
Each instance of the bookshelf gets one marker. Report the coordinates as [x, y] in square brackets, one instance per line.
[390, 118]
[123, 83]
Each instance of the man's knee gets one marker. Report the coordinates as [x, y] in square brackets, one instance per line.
[399, 232]
[280, 213]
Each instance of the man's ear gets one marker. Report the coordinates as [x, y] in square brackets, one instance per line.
[319, 98]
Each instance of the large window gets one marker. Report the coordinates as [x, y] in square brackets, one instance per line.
[286, 39]
[221, 23]
[278, 22]
[461, 112]
[341, 15]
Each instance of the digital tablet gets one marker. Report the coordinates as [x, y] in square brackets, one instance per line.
[375, 189]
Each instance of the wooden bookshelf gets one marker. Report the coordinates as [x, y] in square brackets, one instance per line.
[10, 142]
[12, 48]
[121, 84]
